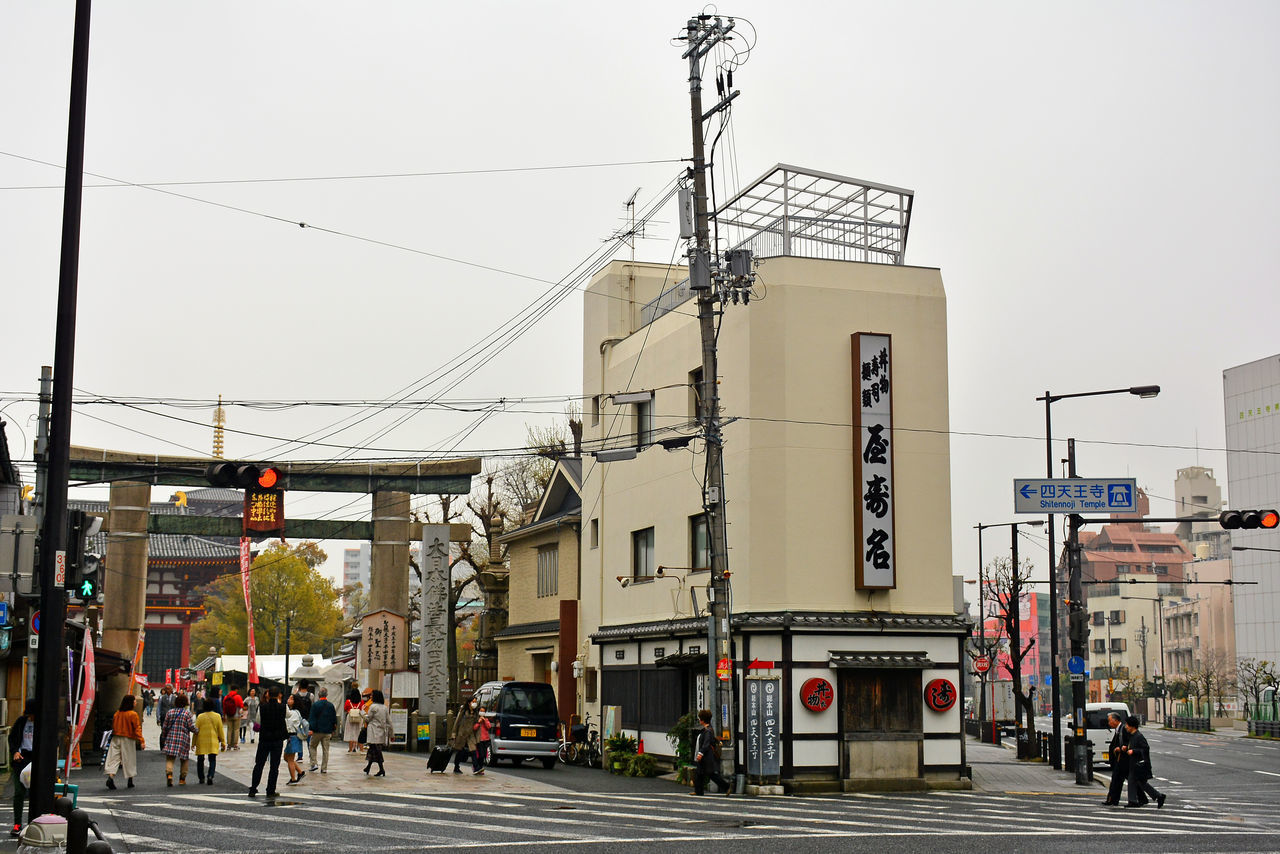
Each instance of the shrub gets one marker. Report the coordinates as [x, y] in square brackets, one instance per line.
[641, 765]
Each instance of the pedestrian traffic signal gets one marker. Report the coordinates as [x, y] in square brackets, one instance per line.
[1249, 519]
[242, 475]
[84, 575]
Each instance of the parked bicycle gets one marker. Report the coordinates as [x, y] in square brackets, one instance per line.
[582, 746]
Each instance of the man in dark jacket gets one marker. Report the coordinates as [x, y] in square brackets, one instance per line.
[1139, 753]
[1118, 758]
[22, 739]
[706, 760]
[323, 721]
[270, 742]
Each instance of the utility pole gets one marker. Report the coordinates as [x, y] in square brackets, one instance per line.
[53, 531]
[702, 34]
[1079, 627]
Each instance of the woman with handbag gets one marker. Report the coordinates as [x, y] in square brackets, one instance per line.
[354, 721]
[294, 725]
[379, 733]
[210, 740]
[126, 741]
[253, 722]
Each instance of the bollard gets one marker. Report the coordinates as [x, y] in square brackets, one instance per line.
[1068, 753]
[98, 846]
[77, 831]
[1089, 760]
[62, 805]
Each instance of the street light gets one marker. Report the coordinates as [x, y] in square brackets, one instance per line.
[1055, 746]
[1252, 549]
[982, 618]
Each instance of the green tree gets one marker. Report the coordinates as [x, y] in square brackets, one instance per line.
[283, 585]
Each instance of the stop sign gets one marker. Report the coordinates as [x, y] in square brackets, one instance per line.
[981, 665]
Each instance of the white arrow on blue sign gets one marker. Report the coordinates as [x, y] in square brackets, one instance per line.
[1075, 495]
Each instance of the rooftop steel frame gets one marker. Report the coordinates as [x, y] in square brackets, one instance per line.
[790, 211]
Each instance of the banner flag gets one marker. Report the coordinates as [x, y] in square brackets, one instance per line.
[248, 608]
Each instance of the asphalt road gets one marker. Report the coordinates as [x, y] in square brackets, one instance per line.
[1220, 801]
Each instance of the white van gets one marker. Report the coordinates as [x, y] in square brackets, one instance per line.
[1096, 728]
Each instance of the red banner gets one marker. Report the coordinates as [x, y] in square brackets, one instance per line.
[248, 608]
[88, 690]
[168, 676]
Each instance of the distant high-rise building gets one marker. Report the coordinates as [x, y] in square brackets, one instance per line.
[1251, 400]
[1196, 493]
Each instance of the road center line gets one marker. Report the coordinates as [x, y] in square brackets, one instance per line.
[1201, 761]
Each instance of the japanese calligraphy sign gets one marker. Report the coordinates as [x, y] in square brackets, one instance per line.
[763, 725]
[383, 642]
[433, 650]
[263, 510]
[873, 442]
[940, 695]
[817, 694]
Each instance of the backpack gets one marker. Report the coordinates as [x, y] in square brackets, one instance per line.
[716, 749]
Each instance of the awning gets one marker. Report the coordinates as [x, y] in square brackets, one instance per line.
[902, 660]
[683, 659]
[539, 649]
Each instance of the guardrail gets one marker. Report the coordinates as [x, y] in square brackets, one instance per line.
[1268, 728]
[1186, 722]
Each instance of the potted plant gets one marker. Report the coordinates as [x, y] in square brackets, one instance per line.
[617, 748]
[681, 738]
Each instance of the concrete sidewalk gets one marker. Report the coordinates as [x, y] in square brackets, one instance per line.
[997, 769]
[405, 773]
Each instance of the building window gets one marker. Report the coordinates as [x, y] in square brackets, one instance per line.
[1161, 569]
[644, 423]
[642, 561]
[594, 538]
[699, 542]
[549, 571]
[695, 393]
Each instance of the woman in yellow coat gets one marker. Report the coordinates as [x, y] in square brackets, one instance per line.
[210, 740]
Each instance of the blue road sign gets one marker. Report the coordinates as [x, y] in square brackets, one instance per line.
[1075, 664]
[4, 613]
[1075, 495]
[1031, 680]
[1048, 679]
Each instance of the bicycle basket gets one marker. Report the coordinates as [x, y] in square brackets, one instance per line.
[578, 732]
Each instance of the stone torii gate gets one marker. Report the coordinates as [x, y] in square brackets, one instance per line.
[130, 522]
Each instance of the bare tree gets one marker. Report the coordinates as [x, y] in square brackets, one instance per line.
[1010, 585]
[1253, 676]
[1209, 677]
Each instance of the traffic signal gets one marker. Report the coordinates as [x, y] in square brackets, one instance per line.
[1249, 519]
[84, 570]
[241, 475]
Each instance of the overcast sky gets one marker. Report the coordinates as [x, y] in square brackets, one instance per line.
[1098, 182]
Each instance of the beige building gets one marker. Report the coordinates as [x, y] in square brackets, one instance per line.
[543, 610]
[1124, 634]
[789, 381]
[1200, 626]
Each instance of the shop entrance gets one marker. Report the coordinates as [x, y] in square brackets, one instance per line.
[881, 723]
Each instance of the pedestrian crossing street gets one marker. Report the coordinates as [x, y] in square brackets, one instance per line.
[412, 822]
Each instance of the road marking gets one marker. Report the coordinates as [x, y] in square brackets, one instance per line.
[1270, 773]
[1202, 761]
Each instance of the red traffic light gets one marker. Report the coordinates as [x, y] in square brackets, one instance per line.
[268, 478]
[1249, 519]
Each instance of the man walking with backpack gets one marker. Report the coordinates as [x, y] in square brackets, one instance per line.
[706, 757]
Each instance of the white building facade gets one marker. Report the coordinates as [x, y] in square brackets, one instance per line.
[1251, 399]
[850, 626]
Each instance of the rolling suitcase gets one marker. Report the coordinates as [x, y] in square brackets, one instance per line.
[439, 758]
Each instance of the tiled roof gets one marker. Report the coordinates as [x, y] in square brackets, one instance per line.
[545, 627]
[854, 621]
[913, 660]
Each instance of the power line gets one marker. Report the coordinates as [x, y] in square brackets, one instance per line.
[356, 177]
